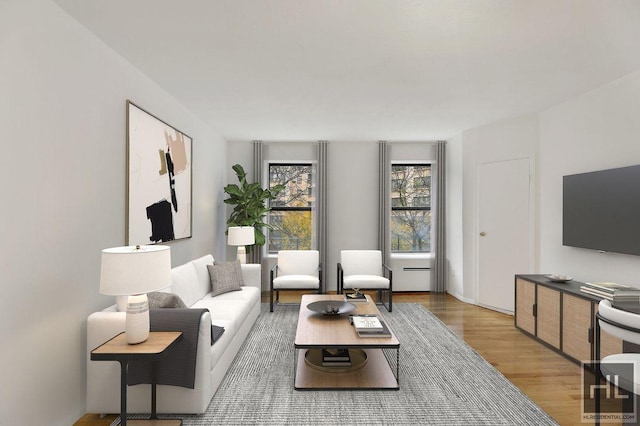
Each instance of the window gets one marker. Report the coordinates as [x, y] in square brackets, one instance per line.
[291, 210]
[411, 208]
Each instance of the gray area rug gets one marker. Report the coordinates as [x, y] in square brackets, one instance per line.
[443, 381]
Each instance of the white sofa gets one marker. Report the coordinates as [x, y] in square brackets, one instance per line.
[236, 311]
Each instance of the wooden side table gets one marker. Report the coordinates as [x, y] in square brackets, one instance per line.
[117, 349]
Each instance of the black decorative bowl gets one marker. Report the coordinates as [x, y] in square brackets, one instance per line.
[331, 307]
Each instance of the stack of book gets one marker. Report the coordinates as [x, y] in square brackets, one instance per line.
[336, 357]
[370, 326]
[612, 291]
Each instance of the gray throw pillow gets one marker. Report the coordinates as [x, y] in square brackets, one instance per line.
[225, 277]
[158, 299]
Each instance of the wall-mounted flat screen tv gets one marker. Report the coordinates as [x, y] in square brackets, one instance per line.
[601, 210]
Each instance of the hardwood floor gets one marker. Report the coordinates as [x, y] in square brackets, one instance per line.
[550, 380]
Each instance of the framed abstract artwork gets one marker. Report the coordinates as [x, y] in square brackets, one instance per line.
[159, 179]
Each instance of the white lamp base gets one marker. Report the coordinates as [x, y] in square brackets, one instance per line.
[137, 320]
[242, 254]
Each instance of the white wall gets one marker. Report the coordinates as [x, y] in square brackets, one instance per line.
[352, 202]
[595, 131]
[62, 112]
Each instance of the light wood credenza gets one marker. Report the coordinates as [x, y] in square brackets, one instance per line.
[562, 317]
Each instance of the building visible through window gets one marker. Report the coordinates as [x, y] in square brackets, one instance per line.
[411, 208]
[291, 211]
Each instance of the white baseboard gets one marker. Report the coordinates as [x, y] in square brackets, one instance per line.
[472, 302]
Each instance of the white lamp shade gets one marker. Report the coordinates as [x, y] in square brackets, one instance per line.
[241, 236]
[135, 269]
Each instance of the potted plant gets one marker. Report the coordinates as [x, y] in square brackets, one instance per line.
[250, 201]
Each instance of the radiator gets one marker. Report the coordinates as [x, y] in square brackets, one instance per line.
[411, 274]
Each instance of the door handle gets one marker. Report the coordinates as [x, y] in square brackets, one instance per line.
[482, 234]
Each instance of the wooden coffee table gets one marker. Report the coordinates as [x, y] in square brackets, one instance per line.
[379, 369]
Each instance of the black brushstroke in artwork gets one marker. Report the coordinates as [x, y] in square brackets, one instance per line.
[161, 221]
[172, 182]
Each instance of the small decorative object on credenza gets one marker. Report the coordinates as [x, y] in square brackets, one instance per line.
[558, 278]
[134, 271]
[612, 291]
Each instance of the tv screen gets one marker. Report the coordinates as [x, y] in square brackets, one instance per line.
[601, 210]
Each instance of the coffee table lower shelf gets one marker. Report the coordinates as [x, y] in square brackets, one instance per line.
[375, 374]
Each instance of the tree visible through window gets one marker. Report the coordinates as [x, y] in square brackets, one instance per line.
[290, 213]
[411, 207]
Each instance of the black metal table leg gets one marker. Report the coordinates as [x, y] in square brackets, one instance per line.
[123, 392]
[154, 369]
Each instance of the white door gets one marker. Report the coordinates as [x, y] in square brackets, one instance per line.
[503, 231]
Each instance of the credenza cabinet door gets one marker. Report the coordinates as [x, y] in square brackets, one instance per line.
[525, 305]
[576, 327]
[562, 316]
[548, 316]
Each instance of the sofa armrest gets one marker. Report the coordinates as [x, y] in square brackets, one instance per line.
[102, 326]
[103, 378]
[252, 275]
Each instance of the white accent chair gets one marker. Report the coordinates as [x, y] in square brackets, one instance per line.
[612, 368]
[295, 270]
[365, 270]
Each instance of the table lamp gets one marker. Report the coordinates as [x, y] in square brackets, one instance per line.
[241, 236]
[134, 271]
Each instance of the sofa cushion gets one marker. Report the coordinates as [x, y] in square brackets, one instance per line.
[184, 283]
[225, 277]
[366, 281]
[204, 281]
[230, 309]
[158, 299]
[298, 262]
[296, 282]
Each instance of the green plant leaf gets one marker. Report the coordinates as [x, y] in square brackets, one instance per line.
[249, 201]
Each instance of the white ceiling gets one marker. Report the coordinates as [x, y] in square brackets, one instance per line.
[367, 69]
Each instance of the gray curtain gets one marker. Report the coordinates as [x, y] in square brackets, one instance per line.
[321, 209]
[384, 199]
[438, 216]
[255, 255]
